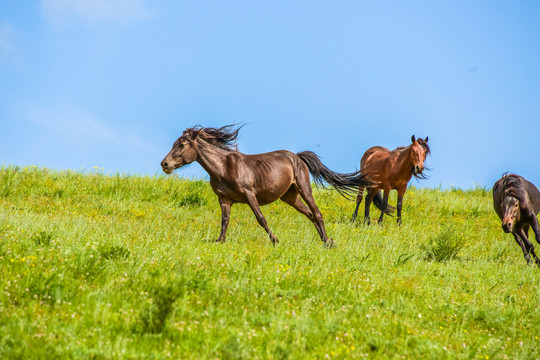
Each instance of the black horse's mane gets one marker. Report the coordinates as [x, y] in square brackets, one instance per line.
[223, 137]
[512, 186]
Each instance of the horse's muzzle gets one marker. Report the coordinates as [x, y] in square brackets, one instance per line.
[507, 227]
[167, 168]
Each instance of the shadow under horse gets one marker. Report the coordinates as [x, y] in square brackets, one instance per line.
[517, 202]
[390, 170]
[257, 179]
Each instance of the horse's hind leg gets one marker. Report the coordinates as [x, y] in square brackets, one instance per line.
[254, 205]
[358, 201]
[386, 193]
[292, 198]
[304, 189]
[369, 198]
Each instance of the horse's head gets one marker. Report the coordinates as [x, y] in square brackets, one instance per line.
[183, 152]
[419, 151]
[511, 213]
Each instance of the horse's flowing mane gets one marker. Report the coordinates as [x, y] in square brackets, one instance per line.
[424, 145]
[223, 137]
[512, 187]
[422, 142]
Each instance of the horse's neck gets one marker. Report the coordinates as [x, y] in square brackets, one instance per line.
[212, 159]
[404, 160]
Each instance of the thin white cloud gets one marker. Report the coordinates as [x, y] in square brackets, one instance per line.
[81, 128]
[6, 34]
[61, 13]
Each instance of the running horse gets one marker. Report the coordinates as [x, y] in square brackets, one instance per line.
[257, 179]
[517, 202]
[390, 170]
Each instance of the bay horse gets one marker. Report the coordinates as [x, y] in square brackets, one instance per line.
[257, 179]
[517, 202]
[390, 170]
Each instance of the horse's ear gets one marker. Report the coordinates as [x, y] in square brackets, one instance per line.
[427, 138]
[413, 139]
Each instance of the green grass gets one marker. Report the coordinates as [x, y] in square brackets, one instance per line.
[125, 267]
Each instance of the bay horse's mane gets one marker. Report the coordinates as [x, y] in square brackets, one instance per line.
[512, 187]
[223, 137]
[422, 142]
[426, 147]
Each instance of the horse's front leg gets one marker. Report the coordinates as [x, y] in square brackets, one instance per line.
[401, 194]
[528, 245]
[536, 228]
[225, 215]
[254, 205]
[522, 246]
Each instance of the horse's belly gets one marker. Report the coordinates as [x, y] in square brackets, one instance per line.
[269, 195]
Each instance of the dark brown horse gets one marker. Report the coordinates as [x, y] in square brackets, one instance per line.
[389, 170]
[257, 179]
[517, 202]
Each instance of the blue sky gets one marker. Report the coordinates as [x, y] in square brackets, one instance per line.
[112, 83]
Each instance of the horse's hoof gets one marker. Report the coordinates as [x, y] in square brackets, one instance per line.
[329, 243]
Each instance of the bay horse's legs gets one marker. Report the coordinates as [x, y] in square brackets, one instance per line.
[528, 245]
[358, 201]
[401, 194]
[254, 205]
[386, 193]
[225, 215]
[369, 198]
[292, 198]
[522, 245]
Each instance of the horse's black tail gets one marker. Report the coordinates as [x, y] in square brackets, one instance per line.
[346, 184]
[379, 203]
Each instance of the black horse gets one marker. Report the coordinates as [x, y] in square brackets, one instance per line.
[517, 202]
[258, 179]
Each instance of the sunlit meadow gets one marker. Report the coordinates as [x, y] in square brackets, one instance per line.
[97, 266]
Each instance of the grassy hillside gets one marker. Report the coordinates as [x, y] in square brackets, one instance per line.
[125, 267]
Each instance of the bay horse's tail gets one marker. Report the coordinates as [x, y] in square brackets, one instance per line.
[379, 203]
[345, 184]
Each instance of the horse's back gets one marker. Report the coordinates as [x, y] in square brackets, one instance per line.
[271, 162]
[375, 153]
[516, 181]
[530, 189]
[534, 195]
[267, 175]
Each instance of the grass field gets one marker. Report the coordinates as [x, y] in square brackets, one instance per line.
[94, 266]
